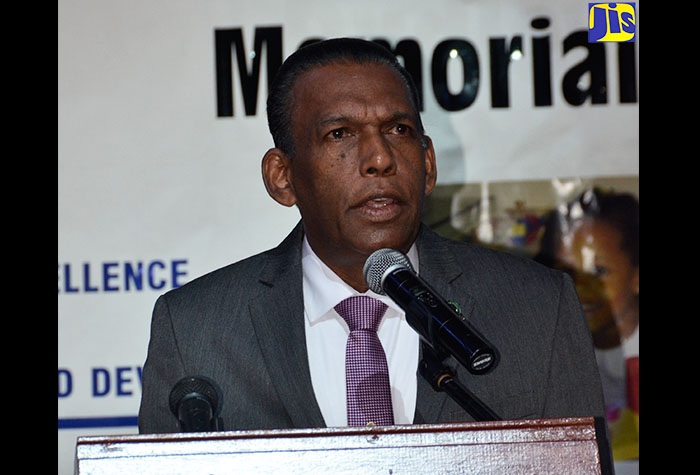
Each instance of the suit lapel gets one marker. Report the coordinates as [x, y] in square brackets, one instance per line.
[278, 317]
[438, 267]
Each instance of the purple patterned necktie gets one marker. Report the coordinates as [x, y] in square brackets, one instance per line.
[366, 370]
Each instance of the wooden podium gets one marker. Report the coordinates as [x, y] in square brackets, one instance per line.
[542, 446]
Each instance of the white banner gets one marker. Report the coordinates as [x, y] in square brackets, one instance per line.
[159, 159]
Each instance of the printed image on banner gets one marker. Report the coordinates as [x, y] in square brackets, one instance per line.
[613, 22]
[588, 228]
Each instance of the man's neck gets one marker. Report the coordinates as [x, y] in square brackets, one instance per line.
[351, 271]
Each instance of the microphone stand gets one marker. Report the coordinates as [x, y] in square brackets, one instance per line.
[442, 378]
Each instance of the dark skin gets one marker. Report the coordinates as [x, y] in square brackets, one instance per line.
[360, 174]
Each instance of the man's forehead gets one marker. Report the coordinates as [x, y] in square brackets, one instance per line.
[341, 66]
[339, 91]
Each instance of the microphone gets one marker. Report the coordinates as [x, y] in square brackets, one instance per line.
[195, 401]
[389, 272]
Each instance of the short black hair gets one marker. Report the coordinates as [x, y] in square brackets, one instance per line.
[323, 53]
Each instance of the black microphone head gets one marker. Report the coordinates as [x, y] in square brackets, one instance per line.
[195, 386]
[379, 263]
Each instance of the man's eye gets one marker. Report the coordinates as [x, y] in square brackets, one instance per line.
[401, 129]
[337, 134]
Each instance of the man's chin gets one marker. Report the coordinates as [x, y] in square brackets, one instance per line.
[400, 241]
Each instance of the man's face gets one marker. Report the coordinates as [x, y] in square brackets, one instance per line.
[359, 174]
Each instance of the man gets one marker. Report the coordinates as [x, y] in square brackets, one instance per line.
[351, 154]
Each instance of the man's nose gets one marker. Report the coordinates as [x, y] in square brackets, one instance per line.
[377, 157]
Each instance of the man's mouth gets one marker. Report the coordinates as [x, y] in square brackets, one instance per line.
[379, 207]
[379, 202]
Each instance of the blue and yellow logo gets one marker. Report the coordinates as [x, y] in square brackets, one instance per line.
[611, 22]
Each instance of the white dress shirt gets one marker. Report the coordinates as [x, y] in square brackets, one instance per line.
[327, 334]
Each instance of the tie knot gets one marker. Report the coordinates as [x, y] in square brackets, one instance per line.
[361, 312]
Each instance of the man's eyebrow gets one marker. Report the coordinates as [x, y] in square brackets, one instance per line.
[396, 116]
[334, 120]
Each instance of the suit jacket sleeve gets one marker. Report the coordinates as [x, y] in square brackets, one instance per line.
[163, 368]
[573, 382]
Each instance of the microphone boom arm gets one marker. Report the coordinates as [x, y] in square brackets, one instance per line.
[442, 378]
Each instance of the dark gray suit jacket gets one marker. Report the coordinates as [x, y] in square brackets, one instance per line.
[243, 327]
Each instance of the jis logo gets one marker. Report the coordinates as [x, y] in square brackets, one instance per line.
[611, 22]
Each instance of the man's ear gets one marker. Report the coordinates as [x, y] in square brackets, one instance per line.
[430, 166]
[276, 176]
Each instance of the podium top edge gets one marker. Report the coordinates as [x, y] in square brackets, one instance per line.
[519, 424]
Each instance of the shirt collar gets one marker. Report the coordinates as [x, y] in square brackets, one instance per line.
[323, 289]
